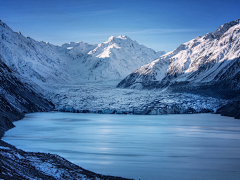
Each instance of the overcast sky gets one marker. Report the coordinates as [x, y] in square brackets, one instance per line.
[158, 24]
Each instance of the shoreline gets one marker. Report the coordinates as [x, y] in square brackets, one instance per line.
[44, 165]
[18, 164]
[15, 167]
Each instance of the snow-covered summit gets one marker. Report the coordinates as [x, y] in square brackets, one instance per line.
[117, 39]
[116, 58]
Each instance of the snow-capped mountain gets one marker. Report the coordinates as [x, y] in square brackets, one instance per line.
[117, 57]
[72, 62]
[38, 61]
[213, 58]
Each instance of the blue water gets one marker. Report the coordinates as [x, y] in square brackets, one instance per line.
[198, 146]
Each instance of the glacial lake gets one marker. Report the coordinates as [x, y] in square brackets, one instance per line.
[197, 146]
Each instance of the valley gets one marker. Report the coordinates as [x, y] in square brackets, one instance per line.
[117, 76]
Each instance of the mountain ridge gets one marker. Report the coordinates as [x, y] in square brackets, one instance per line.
[208, 59]
[72, 62]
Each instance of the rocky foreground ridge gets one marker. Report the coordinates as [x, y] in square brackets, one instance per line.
[18, 164]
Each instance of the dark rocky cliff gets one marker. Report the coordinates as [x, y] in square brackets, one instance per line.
[17, 99]
[232, 109]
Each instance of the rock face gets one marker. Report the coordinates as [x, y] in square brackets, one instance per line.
[208, 65]
[232, 109]
[17, 99]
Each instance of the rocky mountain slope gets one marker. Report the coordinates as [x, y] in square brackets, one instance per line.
[73, 62]
[17, 98]
[207, 65]
[231, 109]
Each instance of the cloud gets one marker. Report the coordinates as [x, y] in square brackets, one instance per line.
[151, 31]
[164, 31]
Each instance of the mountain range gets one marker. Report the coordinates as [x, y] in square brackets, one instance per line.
[202, 75]
[43, 62]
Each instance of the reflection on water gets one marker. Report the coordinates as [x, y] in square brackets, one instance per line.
[200, 146]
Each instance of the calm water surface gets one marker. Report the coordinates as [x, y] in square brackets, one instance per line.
[200, 146]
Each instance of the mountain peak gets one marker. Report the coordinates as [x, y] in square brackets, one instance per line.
[123, 37]
[113, 38]
[224, 28]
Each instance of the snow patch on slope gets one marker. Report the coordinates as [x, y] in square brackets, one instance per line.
[203, 59]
